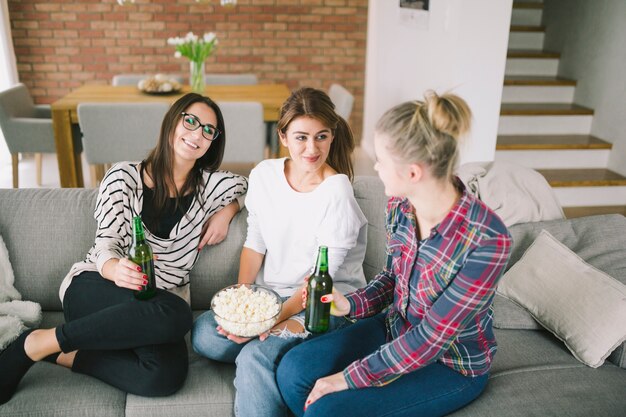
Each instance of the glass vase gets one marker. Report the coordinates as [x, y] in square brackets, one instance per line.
[196, 76]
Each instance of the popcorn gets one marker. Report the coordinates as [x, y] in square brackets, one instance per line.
[246, 311]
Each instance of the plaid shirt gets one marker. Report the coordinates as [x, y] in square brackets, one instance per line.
[439, 290]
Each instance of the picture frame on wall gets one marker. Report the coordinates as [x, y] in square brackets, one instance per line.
[415, 4]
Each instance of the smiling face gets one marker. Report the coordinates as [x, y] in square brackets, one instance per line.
[190, 145]
[308, 141]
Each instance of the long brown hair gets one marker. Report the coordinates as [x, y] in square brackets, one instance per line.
[160, 162]
[427, 131]
[315, 103]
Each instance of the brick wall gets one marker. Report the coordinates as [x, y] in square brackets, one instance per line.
[61, 45]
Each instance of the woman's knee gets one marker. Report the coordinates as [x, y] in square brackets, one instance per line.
[292, 375]
[163, 378]
[205, 339]
[175, 315]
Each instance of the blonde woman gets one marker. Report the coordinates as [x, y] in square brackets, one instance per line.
[430, 352]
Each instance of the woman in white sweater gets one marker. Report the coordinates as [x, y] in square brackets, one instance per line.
[184, 203]
[294, 205]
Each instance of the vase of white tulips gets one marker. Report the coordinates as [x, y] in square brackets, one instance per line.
[197, 50]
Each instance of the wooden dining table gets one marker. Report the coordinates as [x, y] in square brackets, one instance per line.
[64, 113]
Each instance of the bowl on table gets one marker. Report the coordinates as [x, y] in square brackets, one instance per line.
[159, 84]
[246, 310]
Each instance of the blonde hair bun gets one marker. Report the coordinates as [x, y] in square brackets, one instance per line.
[427, 131]
[448, 114]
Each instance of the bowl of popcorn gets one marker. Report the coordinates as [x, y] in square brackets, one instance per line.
[246, 310]
[159, 84]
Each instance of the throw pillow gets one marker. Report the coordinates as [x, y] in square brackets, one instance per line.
[579, 304]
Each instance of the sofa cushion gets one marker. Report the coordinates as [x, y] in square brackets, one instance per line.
[370, 194]
[46, 231]
[51, 390]
[581, 305]
[598, 240]
[552, 391]
[208, 391]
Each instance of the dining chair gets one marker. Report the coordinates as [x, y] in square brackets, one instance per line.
[115, 132]
[246, 135]
[231, 79]
[26, 127]
[342, 99]
[133, 79]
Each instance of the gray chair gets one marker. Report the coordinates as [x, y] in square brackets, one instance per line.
[342, 99]
[245, 135]
[231, 79]
[114, 132]
[133, 79]
[26, 127]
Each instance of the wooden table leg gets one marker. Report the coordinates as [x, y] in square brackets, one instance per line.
[70, 167]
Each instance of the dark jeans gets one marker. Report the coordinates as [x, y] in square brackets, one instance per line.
[136, 346]
[434, 390]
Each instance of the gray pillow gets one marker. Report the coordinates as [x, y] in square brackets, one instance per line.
[579, 304]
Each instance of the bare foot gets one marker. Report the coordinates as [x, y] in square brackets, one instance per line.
[66, 359]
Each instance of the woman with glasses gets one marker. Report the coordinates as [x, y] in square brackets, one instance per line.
[294, 205]
[185, 204]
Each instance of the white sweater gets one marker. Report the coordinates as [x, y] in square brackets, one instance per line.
[288, 227]
[120, 198]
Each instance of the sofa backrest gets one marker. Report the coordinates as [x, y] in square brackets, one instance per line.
[48, 230]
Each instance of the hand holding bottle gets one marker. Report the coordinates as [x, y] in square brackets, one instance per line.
[124, 273]
[340, 306]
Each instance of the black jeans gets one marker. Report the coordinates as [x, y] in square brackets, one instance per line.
[136, 346]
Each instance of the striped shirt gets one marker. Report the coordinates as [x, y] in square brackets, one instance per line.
[120, 198]
[439, 291]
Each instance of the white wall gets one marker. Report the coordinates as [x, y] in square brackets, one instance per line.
[458, 45]
[590, 36]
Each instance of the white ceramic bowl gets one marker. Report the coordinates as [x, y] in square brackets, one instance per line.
[246, 310]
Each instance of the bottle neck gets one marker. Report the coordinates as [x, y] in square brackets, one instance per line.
[138, 234]
[321, 266]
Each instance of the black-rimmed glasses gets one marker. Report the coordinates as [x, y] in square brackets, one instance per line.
[191, 122]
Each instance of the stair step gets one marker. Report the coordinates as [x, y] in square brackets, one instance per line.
[526, 39]
[527, 5]
[572, 212]
[538, 94]
[561, 124]
[597, 177]
[547, 67]
[531, 54]
[526, 80]
[543, 109]
[550, 142]
[527, 28]
[526, 16]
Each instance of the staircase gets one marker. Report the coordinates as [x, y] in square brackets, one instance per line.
[541, 128]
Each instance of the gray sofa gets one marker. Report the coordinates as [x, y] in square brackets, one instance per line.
[533, 375]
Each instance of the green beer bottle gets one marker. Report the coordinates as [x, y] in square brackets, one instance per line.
[317, 315]
[141, 253]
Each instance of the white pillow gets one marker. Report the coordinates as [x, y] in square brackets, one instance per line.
[579, 304]
[7, 290]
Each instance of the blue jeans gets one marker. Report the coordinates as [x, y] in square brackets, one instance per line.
[434, 390]
[257, 393]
